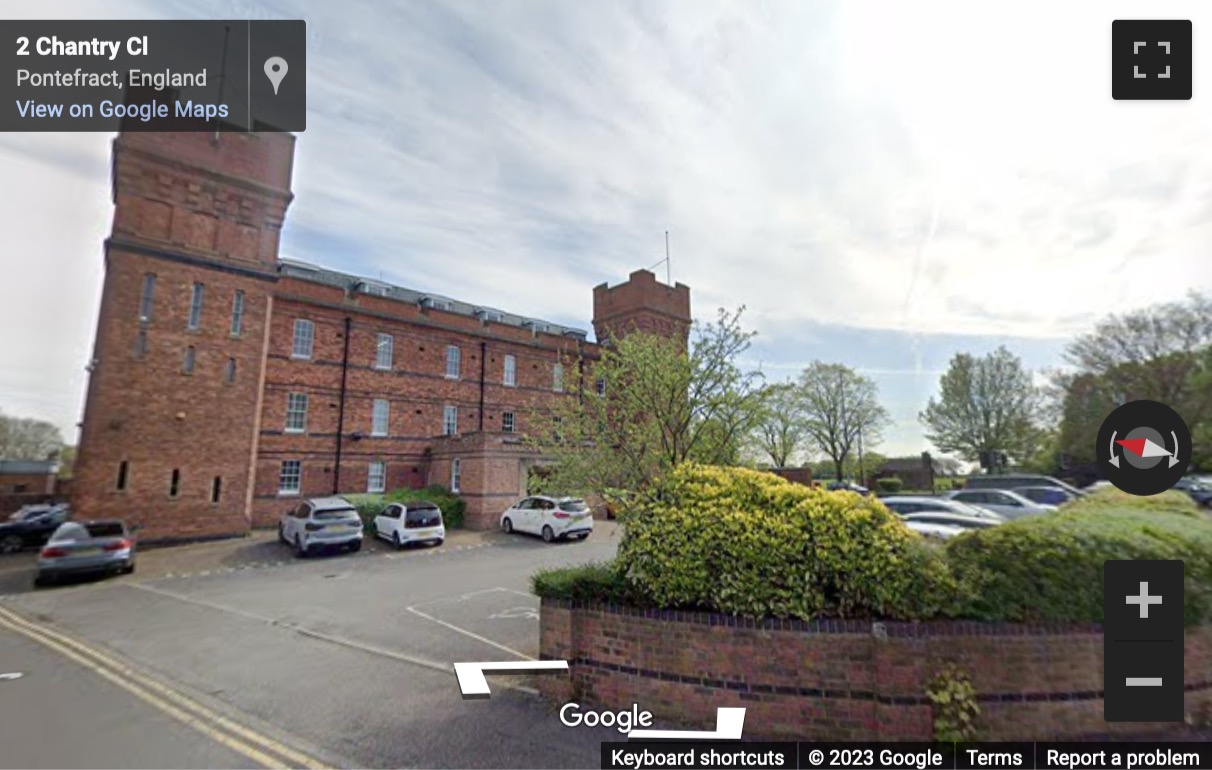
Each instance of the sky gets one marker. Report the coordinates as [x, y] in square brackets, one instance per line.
[879, 184]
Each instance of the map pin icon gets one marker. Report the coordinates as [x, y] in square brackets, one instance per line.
[275, 70]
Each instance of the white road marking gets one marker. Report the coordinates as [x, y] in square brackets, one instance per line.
[11, 675]
[470, 634]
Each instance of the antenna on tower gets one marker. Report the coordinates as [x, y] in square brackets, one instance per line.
[222, 78]
[667, 262]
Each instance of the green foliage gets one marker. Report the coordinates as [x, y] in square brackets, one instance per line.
[368, 507]
[451, 504]
[1050, 567]
[840, 408]
[663, 405]
[749, 543]
[986, 403]
[954, 703]
[596, 581]
[890, 485]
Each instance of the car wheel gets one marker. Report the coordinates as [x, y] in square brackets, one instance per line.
[582, 537]
[439, 542]
[395, 540]
[42, 581]
[507, 526]
[129, 569]
[11, 544]
[282, 534]
[355, 546]
[300, 551]
[548, 534]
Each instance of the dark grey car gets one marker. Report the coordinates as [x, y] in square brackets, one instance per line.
[88, 547]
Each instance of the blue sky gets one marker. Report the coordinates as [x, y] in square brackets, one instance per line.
[881, 184]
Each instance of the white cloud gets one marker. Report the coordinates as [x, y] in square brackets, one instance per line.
[516, 154]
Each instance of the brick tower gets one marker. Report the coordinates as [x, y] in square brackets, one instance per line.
[641, 304]
[169, 436]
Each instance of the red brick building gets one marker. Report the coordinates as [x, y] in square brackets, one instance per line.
[227, 382]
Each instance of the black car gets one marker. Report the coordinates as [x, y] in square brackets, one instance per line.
[1198, 492]
[31, 527]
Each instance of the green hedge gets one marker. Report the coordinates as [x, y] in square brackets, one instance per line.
[748, 543]
[452, 506]
[890, 485]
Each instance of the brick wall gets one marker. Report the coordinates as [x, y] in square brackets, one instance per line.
[641, 304]
[796, 475]
[839, 680]
[27, 484]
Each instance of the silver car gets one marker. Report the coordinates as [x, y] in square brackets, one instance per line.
[1002, 501]
[86, 547]
[957, 520]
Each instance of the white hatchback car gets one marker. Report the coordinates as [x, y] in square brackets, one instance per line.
[321, 524]
[411, 523]
[553, 518]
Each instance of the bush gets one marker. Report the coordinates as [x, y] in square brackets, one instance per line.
[1170, 501]
[749, 543]
[598, 581]
[889, 486]
[368, 507]
[1050, 567]
[451, 504]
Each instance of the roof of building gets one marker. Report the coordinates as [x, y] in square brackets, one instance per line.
[29, 467]
[905, 464]
[352, 283]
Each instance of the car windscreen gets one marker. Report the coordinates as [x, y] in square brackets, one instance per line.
[332, 514]
[105, 529]
[422, 517]
[574, 506]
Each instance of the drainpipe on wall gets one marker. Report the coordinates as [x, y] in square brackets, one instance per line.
[336, 471]
[483, 370]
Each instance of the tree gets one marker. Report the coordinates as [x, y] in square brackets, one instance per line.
[948, 466]
[24, 438]
[838, 404]
[985, 404]
[663, 405]
[780, 425]
[1162, 353]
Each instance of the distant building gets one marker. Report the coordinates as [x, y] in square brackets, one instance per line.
[798, 475]
[227, 382]
[28, 477]
[916, 472]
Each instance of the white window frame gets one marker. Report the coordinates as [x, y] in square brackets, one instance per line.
[284, 489]
[384, 351]
[304, 339]
[450, 420]
[454, 362]
[509, 422]
[296, 406]
[510, 377]
[195, 308]
[380, 417]
[456, 475]
[557, 378]
[376, 477]
[237, 313]
[147, 298]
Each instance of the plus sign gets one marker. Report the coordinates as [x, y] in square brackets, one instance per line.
[1144, 600]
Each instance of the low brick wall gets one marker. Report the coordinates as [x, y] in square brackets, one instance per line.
[840, 680]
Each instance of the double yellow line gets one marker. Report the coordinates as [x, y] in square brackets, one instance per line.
[259, 748]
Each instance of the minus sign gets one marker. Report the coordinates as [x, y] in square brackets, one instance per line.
[1142, 641]
[1144, 681]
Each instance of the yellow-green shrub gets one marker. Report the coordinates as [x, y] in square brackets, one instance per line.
[749, 543]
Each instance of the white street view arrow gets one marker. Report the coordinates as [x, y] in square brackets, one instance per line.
[729, 722]
[471, 675]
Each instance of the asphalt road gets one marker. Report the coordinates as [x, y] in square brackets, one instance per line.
[346, 660]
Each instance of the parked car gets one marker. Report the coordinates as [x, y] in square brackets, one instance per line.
[31, 526]
[1045, 495]
[1001, 501]
[1199, 492]
[324, 523]
[935, 531]
[91, 547]
[553, 518]
[904, 505]
[1015, 481]
[848, 486]
[411, 524]
[1097, 485]
[958, 520]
